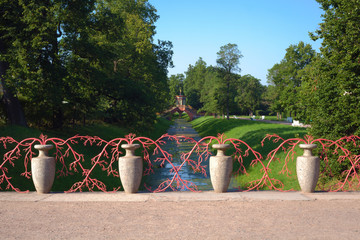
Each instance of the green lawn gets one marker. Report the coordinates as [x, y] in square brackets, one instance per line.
[252, 132]
[271, 118]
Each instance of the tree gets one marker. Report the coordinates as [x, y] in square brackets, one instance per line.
[9, 28]
[249, 93]
[332, 89]
[286, 77]
[211, 96]
[96, 56]
[228, 61]
[176, 86]
[36, 71]
[194, 83]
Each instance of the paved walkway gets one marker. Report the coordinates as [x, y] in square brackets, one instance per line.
[207, 196]
[180, 215]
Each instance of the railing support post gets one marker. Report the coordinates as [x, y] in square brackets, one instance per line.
[308, 168]
[43, 169]
[130, 169]
[221, 167]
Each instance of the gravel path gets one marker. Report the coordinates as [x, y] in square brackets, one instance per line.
[317, 219]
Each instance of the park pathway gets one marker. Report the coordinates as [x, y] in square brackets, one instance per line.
[180, 215]
[181, 128]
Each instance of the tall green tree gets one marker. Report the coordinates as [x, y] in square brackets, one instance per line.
[36, 69]
[194, 82]
[249, 92]
[10, 26]
[228, 60]
[332, 89]
[211, 94]
[97, 58]
[286, 77]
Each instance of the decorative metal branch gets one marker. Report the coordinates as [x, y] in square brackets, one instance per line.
[71, 162]
[327, 147]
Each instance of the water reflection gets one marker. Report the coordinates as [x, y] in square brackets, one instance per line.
[162, 173]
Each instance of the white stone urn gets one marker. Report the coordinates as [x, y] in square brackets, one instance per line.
[43, 169]
[307, 168]
[221, 167]
[130, 168]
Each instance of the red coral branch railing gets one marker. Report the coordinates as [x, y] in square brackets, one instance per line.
[71, 162]
[326, 147]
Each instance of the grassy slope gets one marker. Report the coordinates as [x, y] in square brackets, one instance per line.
[102, 130]
[252, 132]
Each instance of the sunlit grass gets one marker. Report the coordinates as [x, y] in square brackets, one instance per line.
[252, 132]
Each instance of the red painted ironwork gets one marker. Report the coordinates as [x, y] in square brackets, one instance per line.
[70, 161]
[326, 149]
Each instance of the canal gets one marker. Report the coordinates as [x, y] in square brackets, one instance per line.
[161, 173]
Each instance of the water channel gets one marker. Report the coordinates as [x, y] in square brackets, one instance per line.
[181, 128]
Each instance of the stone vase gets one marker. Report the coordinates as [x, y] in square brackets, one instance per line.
[221, 167]
[130, 168]
[43, 169]
[307, 168]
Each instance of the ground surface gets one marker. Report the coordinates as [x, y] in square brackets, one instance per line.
[179, 216]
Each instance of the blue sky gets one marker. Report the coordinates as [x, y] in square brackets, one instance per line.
[262, 29]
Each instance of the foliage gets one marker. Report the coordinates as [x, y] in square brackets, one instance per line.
[176, 87]
[194, 83]
[285, 79]
[70, 61]
[250, 92]
[204, 88]
[228, 61]
[333, 82]
[212, 96]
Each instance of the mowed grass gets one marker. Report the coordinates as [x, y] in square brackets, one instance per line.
[102, 130]
[253, 132]
[258, 117]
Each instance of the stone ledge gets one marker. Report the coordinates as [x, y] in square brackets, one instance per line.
[177, 196]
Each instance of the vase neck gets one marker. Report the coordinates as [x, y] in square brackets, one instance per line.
[129, 152]
[220, 152]
[308, 149]
[130, 149]
[220, 148]
[43, 153]
[43, 149]
[308, 152]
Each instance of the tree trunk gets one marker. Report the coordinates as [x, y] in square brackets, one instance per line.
[58, 117]
[13, 108]
[58, 114]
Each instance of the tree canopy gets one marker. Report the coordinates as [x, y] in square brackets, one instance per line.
[73, 60]
[333, 80]
[323, 89]
[205, 89]
[228, 60]
[286, 78]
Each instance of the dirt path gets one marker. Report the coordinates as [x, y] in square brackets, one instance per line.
[319, 219]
